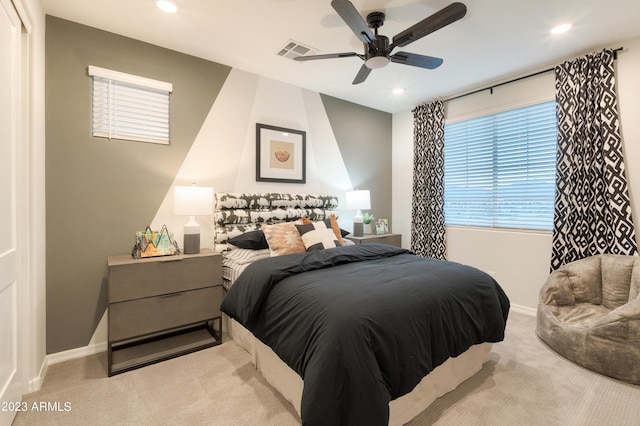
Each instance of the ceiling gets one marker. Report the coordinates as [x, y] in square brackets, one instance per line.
[496, 40]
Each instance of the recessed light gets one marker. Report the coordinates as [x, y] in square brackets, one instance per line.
[398, 90]
[167, 6]
[563, 28]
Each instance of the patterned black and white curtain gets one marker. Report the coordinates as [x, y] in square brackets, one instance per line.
[592, 210]
[427, 206]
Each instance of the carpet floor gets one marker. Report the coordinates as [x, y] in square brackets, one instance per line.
[524, 383]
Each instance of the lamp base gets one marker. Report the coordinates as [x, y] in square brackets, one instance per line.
[358, 229]
[191, 244]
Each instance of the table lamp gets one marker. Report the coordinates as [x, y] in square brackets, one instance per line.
[358, 200]
[192, 201]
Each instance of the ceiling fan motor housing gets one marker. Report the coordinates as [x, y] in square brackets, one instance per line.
[375, 19]
[376, 55]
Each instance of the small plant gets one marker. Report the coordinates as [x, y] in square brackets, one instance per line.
[367, 218]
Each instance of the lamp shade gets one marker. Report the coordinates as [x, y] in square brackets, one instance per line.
[192, 200]
[358, 200]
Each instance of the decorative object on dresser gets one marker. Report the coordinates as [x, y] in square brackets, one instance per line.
[192, 201]
[150, 243]
[389, 238]
[162, 307]
[280, 154]
[382, 226]
[367, 221]
[358, 200]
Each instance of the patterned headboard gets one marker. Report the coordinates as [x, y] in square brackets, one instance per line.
[236, 213]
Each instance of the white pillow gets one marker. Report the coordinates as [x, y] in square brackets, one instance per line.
[316, 236]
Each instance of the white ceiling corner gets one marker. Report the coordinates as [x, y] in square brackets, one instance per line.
[496, 40]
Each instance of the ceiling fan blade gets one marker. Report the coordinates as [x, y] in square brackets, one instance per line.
[326, 56]
[416, 60]
[354, 20]
[362, 74]
[440, 19]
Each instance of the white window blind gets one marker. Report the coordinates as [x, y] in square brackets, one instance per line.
[129, 107]
[500, 169]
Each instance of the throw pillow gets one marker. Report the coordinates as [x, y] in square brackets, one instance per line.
[283, 238]
[254, 240]
[316, 236]
[333, 224]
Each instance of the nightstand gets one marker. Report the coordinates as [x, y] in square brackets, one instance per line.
[391, 239]
[162, 307]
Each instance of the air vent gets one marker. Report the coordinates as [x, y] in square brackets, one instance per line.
[294, 48]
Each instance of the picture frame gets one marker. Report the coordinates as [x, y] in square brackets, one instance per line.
[382, 226]
[281, 154]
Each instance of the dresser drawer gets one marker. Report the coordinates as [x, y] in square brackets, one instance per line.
[390, 239]
[149, 315]
[393, 240]
[170, 274]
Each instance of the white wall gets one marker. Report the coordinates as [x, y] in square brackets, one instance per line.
[225, 159]
[32, 327]
[518, 260]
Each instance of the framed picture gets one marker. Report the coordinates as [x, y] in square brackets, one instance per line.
[382, 226]
[280, 154]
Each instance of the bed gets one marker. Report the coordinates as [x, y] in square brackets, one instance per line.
[360, 334]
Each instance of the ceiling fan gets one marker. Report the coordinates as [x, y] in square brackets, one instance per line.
[377, 50]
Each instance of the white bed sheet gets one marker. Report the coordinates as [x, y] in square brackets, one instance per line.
[289, 384]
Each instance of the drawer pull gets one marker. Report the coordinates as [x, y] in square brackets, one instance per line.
[171, 259]
[164, 296]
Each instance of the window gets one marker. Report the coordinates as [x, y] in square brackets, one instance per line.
[499, 170]
[126, 106]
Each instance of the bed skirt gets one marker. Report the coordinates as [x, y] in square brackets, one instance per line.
[289, 384]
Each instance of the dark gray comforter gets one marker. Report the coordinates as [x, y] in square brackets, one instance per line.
[363, 324]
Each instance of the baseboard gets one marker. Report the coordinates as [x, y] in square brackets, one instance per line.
[97, 344]
[75, 353]
[523, 310]
[36, 383]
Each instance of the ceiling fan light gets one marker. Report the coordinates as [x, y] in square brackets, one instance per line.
[167, 6]
[376, 62]
[563, 28]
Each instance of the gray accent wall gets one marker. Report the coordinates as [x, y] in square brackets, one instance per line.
[364, 137]
[99, 192]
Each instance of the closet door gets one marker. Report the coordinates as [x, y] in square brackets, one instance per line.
[10, 252]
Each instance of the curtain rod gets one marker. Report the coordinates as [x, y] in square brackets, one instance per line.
[493, 86]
